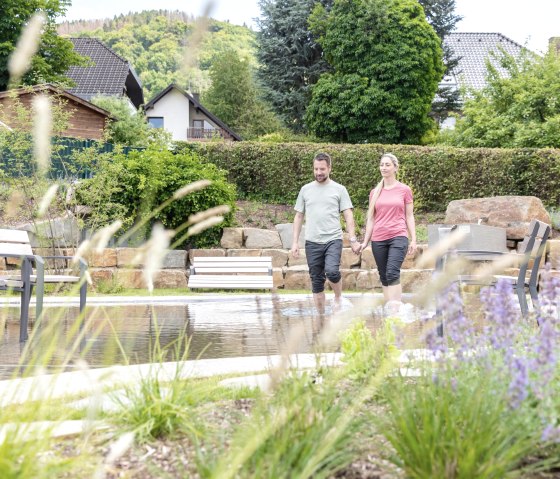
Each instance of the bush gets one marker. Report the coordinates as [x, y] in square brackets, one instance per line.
[276, 171]
[129, 187]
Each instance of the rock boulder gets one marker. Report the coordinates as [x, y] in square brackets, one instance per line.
[514, 213]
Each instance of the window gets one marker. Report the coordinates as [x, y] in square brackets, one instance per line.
[155, 121]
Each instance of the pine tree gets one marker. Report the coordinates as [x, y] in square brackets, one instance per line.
[291, 60]
[441, 16]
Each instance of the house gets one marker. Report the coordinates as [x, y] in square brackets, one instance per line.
[181, 114]
[473, 50]
[85, 120]
[108, 75]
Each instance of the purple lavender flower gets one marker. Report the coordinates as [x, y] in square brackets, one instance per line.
[519, 385]
[544, 346]
[551, 434]
[502, 316]
[458, 327]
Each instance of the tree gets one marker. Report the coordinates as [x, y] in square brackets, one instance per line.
[234, 97]
[518, 110]
[387, 64]
[290, 56]
[55, 54]
[441, 16]
[129, 127]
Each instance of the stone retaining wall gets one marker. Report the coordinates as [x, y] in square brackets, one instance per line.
[358, 272]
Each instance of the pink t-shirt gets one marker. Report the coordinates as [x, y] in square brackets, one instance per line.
[390, 217]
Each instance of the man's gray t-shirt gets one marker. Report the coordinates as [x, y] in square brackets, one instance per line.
[322, 204]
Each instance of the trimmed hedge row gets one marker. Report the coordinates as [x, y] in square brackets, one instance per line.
[275, 172]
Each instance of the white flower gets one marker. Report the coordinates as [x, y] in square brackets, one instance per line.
[47, 199]
[42, 131]
[195, 186]
[26, 47]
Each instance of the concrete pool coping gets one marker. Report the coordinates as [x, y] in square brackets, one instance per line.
[96, 380]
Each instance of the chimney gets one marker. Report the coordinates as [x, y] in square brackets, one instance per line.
[196, 96]
[554, 44]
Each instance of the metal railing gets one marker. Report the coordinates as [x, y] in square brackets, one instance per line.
[204, 134]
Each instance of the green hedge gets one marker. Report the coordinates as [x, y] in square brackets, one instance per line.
[275, 171]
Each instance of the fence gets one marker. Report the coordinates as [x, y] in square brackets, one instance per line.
[63, 164]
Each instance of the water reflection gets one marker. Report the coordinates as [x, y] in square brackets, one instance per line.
[228, 327]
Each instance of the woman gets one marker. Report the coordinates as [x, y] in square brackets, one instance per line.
[390, 217]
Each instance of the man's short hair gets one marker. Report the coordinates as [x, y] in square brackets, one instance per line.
[323, 157]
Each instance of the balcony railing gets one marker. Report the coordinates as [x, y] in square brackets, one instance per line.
[205, 134]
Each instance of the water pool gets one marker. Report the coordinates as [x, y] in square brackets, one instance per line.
[219, 327]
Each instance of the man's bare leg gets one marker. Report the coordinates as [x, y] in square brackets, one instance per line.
[319, 299]
[337, 290]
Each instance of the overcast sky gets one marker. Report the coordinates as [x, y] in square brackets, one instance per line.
[529, 22]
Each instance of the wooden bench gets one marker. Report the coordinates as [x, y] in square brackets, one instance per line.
[15, 244]
[231, 273]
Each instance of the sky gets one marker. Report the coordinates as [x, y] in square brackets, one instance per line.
[529, 23]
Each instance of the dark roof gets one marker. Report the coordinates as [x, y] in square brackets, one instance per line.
[473, 49]
[57, 91]
[196, 104]
[109, 75]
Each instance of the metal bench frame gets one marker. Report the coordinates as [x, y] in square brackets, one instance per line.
[16, 244]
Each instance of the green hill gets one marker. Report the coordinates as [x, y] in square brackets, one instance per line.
[167, 46]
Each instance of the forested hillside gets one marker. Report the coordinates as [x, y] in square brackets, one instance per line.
[167, 46]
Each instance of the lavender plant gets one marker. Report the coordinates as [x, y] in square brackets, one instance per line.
[479, 409]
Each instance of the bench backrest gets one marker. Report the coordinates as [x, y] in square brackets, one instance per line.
[232, 265]
[15, 242]
[533, 247]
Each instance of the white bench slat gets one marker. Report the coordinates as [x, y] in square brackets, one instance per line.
[253, 272]
[16, 248]
[13, 236]
[232, 259]
[229, 269]
[50, 278]
[212, 281]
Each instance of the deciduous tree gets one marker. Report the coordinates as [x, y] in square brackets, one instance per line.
[387, 64]
[55, 55]
[234, 97]
[519, 110]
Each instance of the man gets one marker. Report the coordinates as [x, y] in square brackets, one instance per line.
[321, 202]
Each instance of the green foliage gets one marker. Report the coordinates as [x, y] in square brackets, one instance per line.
[441, 16]
[521, 110]
[455, 422]
[129, 127]
[291, 60]
[233, 97]
[276, 171]
[129, 187]
[55, 54]
[301, 431]
[156, 42]
[358, 350]
[155, 411]
[388, 63]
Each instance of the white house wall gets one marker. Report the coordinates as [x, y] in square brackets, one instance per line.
[174, 109]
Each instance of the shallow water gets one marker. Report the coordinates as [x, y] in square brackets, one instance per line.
[217, 328]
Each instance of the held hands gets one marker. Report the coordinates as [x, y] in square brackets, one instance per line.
[412, 247]
[356, 247]
[295, 250]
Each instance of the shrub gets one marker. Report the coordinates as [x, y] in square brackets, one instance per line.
[129, 187]
[437, 175]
